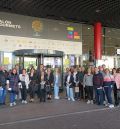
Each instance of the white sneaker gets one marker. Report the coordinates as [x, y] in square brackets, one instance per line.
[91, 102]
[14, 103]
[88, 102]
[11, 104]
[111, 106]
[25, 102]
[104, 102]
[73, 99]
[68, 98]
[57, 98]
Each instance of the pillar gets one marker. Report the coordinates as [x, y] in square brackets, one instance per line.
[97, 42]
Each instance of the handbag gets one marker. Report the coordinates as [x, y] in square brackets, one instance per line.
[76, 89]
[47, 88]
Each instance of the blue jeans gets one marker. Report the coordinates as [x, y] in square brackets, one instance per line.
[108, 92]
[99, 96]
[56, 90]
[3, 96]
[12, 97]
[70, 92]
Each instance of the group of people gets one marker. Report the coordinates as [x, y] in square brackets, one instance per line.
[93, 84]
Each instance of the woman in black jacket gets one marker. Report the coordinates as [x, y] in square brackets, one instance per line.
[49, 84]
[32, 85]
[69, 83]
[42, 80]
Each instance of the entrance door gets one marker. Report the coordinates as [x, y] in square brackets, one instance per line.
[53, 62]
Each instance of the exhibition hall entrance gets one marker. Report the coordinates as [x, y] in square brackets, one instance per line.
[33, 58]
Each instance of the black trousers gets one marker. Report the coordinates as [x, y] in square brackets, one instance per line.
[115, 94]
[118, 97]
[42, 95]
[32, 91]
[89, 90]
[24, 93]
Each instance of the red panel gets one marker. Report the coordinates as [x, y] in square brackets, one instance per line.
[97, 41]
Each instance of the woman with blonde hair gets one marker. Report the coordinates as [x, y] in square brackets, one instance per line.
[57, 83]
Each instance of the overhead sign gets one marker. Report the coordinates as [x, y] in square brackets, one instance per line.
[32, 27]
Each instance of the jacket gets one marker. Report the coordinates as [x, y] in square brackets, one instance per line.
[117, 80]
[26, 80]
[59, 80]
[88, 80]
[71, 82]
[2, 79]
[108, 80]
[98, 80]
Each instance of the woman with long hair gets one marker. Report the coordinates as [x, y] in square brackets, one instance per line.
[12, 85]
[49, 84]
[32, 85]
[57, 83]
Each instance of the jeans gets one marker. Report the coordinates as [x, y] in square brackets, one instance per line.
[99, 96]
[56, 90]
[108, 92]
[3, 96]
[70, 92]
[12, 97]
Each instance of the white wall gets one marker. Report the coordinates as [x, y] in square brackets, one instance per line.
[11, 43]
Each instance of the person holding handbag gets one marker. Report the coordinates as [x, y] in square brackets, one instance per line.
[24, 79]
[42, 79]
[49, 84]
[69, 83]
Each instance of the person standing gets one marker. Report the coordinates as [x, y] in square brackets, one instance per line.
[57, 83]
[69, 83]
[49, 84]
[42, 79]
[88, 84]
[3, 85]
[32, 84]
[114, 72]
[108, 87]
[81, 76]
[98, 86]
[117, 81]
[12, 85]
[76, 83]
[24, 79]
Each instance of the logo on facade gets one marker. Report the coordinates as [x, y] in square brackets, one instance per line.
[37, 27]
[9, 24]
[72, 33]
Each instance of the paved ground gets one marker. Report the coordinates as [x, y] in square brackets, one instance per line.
[60, 114]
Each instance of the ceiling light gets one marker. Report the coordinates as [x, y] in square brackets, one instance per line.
[88, 28]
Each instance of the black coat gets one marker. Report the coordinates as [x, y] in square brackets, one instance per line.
[50, 79]
[70, 82]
